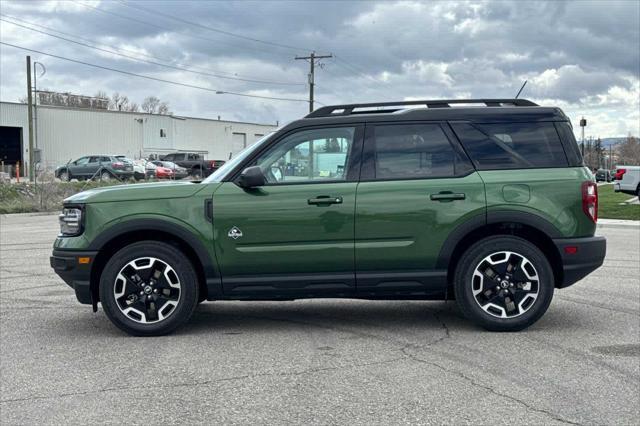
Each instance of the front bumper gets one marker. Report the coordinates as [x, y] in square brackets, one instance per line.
[580, 257]
[67, 264]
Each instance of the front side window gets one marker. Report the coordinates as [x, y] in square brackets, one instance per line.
[81, 161]
[511, 145]
[413, 151]
[309, 155]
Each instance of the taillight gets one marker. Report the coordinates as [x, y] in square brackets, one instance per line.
[212, 163]
[117, 165]
[590, 200]
[620, 173]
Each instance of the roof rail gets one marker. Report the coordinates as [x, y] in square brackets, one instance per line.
[348, 109]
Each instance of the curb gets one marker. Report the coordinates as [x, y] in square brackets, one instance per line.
[618, 223]
[29, 214]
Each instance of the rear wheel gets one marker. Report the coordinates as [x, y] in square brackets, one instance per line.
[504, 283]
[105, 176]
[196, 173]
[148, 288]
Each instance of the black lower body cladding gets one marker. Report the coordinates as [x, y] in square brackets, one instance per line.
[580, 257]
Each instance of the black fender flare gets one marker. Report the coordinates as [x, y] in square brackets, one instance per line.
[491, 218]
[212, 277]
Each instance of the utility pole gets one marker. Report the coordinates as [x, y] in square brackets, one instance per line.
[30, 118]
[583, 124]
[312, 62]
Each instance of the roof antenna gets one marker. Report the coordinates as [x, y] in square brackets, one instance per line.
[520, 91]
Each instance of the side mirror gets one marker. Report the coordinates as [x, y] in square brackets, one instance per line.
[252, 177]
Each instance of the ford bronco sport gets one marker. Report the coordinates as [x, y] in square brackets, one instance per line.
[484, 201]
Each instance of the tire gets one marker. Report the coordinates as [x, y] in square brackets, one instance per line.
[124, 300]
[495, 299]
[196, 173]
[64, 176]
[105, 176]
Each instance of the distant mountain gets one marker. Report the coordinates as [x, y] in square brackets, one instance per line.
[606, 142]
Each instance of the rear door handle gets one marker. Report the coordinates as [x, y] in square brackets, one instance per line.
[324, 199]
[447, 196]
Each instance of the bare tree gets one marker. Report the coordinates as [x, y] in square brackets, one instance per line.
[629, 151]
[163, 108]
[119, 102]
[150, 104]
[153, 105]
[101, 94]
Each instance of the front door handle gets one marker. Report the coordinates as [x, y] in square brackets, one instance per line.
[447, 196]
[323, 200]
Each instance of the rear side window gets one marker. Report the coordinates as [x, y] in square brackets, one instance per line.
[413, 151]
[511, 145]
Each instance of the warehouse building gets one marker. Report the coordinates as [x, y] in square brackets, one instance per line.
[65, 134]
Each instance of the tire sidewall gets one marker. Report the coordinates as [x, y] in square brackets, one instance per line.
[470, 260]
[180, 264]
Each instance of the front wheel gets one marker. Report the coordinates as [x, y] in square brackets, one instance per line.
[503, 283]
[64, 176]
[148, 288]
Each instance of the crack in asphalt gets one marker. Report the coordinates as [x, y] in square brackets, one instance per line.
[14, 290]
[600, 306]
[208, 382]
[445, 336]
[477, 384]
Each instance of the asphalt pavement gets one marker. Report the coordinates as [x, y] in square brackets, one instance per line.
[316, 361]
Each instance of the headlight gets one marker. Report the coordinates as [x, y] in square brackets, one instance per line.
[70, 221]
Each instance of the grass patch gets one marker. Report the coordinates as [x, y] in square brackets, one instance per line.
[43, 197]
[611, 205]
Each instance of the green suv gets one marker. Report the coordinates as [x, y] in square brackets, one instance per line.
[483, 201]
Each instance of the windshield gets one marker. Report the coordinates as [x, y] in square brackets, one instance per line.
[220, 174]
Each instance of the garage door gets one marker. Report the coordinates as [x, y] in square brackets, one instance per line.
[239, 142]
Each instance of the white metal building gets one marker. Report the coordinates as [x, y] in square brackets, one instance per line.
[69, 133]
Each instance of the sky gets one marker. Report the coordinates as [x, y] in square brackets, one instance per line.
[582, 56]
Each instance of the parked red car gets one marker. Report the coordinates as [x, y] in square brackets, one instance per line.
[163, 172]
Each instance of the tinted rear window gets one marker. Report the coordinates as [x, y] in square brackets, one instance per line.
[413, 151]
[512, 145]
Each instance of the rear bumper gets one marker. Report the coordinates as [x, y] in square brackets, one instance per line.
[77, 275]
[580, 257]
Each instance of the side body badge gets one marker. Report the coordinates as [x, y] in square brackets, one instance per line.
[234, 233]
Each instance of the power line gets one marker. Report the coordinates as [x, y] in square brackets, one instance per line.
[152, 62]
[121, 49]
[168, 30]
[216, 30]
[219, 92]
[349, 66]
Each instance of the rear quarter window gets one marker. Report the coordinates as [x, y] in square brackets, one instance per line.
[500, 146]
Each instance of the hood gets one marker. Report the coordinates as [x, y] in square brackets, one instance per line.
[137, 192]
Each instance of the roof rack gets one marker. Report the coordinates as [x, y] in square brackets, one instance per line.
[341, 110]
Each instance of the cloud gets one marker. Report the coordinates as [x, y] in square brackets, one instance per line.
[580, 56]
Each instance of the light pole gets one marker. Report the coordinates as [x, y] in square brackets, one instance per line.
[583, 124]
